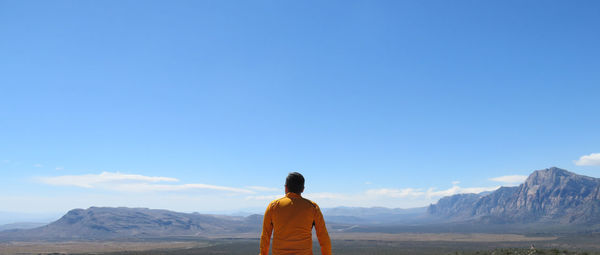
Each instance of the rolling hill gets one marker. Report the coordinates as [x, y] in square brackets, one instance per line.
[101, 223]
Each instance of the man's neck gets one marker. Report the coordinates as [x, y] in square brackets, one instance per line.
[293, 194]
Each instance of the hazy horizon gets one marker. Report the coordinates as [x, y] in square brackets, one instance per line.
[7, 217]
[205, 106]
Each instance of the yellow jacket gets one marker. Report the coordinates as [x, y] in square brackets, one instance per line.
[291, 218]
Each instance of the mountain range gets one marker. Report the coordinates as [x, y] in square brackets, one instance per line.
[550, 196]
[115, 223]
[21, 225]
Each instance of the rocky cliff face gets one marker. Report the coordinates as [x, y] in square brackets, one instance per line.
[457, 206]
[549, 195]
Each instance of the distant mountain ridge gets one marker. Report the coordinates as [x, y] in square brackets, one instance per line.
[111, 223]
[21, 225]
[551, 195]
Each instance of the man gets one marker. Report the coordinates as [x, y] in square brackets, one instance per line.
[291, 218]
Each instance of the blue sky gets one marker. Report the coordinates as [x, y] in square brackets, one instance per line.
[207, 105]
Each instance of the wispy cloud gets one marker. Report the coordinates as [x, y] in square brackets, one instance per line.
[59, 168]
[98, 180]
[145, 187]
[130, 183]
[261, 188]
[588, 160]
[398, 193]
[433, 193]
[510, 179]
[38, 165]
[429, 193]
[264, 197]
[329, 195]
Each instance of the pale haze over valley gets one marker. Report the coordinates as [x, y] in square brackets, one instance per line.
[205, 106]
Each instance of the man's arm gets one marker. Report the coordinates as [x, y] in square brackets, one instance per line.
[267, 230]
[322, 234]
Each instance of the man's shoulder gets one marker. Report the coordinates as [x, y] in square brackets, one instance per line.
[276, 201]
[311, 202]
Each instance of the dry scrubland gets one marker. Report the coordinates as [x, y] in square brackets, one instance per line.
[343, 243]
[94, 247]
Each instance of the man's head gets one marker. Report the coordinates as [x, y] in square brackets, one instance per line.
[294, 183]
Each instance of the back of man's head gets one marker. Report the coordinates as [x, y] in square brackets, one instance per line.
[295, 182]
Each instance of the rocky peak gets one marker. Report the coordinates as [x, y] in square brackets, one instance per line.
[548, 176]
[560, 183]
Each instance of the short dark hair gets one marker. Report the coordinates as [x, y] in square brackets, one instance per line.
[295, 182]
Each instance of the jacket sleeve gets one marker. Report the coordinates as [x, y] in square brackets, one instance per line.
[322, 234]
[267, 230]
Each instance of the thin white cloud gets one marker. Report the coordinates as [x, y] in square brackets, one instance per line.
[588, 160]
[95, 180]
[38, 165]
[59, 168]
[398, 193]
[261, 188]
[328, 195]
[429, 193]
[130, 183]
[264, 197]
[146, 187]
[432, 193]
[510, 179]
